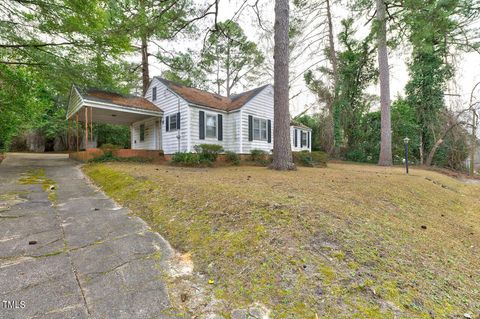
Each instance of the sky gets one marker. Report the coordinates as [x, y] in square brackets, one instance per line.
[467, 71]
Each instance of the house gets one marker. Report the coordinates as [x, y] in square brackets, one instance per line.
[175, 118]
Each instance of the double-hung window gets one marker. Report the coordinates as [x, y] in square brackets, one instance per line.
[172, 122]
[260, 129]
[142, 132]
[154, 93]
[211, 126]
[304, 139]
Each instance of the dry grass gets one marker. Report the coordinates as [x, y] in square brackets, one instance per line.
[347, 241]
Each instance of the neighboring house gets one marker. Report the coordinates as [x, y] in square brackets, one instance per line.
[189, 117]
[476, 160]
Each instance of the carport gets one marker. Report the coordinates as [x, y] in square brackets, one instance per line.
[97, 106]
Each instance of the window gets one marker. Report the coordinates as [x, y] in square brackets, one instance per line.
[154, 93]
[142, 132]
[304, 138]
[260, 129]
[211, 126]
[172, 122]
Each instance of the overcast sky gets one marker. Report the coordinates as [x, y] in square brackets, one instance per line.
[468, 64]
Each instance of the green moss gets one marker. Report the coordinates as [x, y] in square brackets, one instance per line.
[328, 274]
[38, 177]
[340, 255]
[55, 253]
[313, 240]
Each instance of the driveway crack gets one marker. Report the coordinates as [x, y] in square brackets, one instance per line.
[72, 266]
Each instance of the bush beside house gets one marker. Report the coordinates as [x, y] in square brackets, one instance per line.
[310, 159]
[207, 155]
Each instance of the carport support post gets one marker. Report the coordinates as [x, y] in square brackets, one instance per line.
[68, 134]
[91, 124]
[78, 146]
[86, 127]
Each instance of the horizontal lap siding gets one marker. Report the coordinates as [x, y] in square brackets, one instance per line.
[75, 102]
[168, 102]
[260, 106]
[228, 142]
[150, 136]
[292, 138]
[234, 128]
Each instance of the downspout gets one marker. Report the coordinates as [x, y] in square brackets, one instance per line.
[241, 132]
[181, 126]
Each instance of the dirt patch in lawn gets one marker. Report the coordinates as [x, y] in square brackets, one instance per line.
[347, 241]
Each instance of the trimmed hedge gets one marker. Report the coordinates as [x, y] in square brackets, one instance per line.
[232, 157]
[205, 155]
[260, 157]
[310, 159]
[208, 152]
[186, 159]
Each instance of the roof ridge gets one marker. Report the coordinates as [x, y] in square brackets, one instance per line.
[212, 93]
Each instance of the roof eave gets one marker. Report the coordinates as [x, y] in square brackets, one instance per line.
[129, 109]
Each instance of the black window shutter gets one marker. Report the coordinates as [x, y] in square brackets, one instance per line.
[167, 122]
[178, 120]
[269, 132]
[220, 127]
[308, 139]
[201, 125]
[295, 137]
[301, 138]
[250, 128]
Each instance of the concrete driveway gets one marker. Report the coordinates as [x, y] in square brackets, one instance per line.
[67, 250]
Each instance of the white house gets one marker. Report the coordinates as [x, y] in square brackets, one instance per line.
[187, 117]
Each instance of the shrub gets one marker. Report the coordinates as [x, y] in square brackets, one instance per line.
[186, 159]
[260, 157]
[208, 152]
[109, 157]
[310, 159]
[232, 157]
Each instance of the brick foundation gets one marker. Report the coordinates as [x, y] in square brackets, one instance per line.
[84, 156]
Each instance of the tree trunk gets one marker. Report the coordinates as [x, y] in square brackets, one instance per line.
[333, 58]
[439, 142]
[421, 148]
[473, 142]
[282, 151]
[432, 152]
[219, 91]
[145, 70]
[385, 158]
[228, 70]
[331, 37]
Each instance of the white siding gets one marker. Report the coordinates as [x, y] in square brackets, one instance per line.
[171, 104]
[298, 130]
[261, 106]
[235, 124]
[152, 134]
[227, 121]
[74, 103]
[234, 132]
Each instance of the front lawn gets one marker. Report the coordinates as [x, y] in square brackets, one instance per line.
[347, 241]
